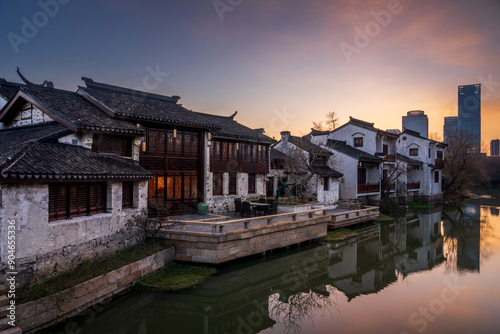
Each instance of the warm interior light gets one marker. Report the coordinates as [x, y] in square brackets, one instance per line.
[175, 133]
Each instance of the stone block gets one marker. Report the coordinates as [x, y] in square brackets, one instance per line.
[37, 320]
[12, 330]
[45, 304]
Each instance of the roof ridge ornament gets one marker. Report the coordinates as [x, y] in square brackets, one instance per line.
[46, 83]
[232, 116]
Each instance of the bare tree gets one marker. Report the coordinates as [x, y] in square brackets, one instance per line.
[331, 120]
[318, 126]
[463, 166]
[299, 165]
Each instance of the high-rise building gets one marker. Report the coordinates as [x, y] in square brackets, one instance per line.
[495, 147]
[469, 114]
[417, 121]
[450, 128]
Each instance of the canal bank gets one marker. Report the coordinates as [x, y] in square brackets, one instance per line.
[376, 283]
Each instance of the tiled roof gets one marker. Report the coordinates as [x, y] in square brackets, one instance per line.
[228, 127]
[12, 139]
[417, 134]
[315, 132]
[409, 160]
[77, 112]
[38, 160]
[341, 146]
[277, 155]
[326, 171]
[306, 145]
[141, 105]
[8, 89]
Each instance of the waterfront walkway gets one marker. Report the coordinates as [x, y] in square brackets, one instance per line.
[217, 239]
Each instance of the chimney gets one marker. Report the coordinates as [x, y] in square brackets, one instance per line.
[285, 135]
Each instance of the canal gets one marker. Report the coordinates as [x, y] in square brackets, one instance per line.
[434, 271]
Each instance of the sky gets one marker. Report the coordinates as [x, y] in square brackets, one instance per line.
[280, 64]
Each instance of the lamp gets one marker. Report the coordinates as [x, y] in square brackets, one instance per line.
[237, 146]
[322, 180]
[143, 146]
[209, 136]
[175, 133]
[138, 125]
[259, 148]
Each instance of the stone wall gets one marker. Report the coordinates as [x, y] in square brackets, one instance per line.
[219, 248]
[30, 115]
[46, 248]
[46, 311]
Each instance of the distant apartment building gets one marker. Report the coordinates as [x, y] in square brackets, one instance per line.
[469, 114]
[495, 147]
[416, 120]
[450, 128]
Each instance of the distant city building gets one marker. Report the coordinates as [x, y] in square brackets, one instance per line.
[450, 128]
[495, 147]
[469, 114]
[417, 121]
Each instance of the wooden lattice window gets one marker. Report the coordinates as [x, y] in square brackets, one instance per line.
[217, 184]
[127, 195]
[67, 200]
[232, 183]
[414, 152]
[251, 183]
[358, 142]
[111, 144]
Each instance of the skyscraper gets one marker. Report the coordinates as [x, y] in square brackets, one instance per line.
[417, 121]
[469, 114]
[495, 147]
[450, 128]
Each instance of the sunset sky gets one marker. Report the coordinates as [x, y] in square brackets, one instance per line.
[281, 64]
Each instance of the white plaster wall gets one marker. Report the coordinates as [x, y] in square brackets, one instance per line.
[36, 237]
[351, 131]
[319, 140]
[332, 195]
[349, 182]
[30, 115]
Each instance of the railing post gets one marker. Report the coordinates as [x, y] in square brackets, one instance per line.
[294, 217]
[246, 225]
[268, 221]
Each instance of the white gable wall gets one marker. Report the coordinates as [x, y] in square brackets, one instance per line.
[29, 115]
[351, 131]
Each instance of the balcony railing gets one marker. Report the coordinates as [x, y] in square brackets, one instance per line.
[390, 158]
[368, 188]
[439, 163]
[413, 185]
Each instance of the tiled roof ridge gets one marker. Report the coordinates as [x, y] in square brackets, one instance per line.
[89, 83]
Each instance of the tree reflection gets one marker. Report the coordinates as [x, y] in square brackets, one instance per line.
[291, 311]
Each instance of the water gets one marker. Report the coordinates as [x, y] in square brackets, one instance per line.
[432, 272]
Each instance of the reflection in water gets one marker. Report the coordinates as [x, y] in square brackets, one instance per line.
[290, 288]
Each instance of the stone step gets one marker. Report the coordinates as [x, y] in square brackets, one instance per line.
[4, 300]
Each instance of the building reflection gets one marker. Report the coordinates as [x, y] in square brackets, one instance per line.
[462, 232]
[288, 287]
[411, 244]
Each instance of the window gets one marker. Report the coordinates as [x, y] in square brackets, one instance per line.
[440, 155]
[127, 195]
[413, 152]
[385, 149]
[68, 200]
[429, 153]
[358, 142]
[251, 183]
[232, 184]
[325, 183]
[119, 145]
[217, 184]
[436, 176]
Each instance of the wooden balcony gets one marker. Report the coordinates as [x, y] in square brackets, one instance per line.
[368, 188]
[390, 158]
[413, 185]
[439, 163]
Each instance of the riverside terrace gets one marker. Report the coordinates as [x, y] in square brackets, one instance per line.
[218, 239]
